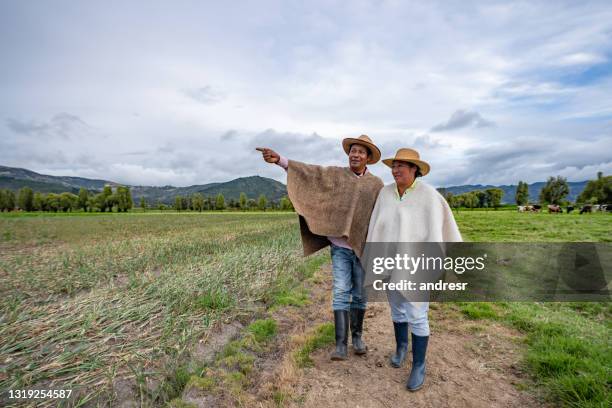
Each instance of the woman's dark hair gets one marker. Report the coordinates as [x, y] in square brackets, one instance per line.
[418, 171]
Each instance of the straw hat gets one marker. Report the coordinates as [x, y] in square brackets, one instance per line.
[410, 156]
[363, 140]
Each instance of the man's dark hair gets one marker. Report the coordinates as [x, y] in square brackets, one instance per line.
[359, 144]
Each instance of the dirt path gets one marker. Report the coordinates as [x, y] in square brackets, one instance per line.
[469, 363]
[464, 370]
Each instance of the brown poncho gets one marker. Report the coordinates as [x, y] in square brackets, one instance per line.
[331, 202]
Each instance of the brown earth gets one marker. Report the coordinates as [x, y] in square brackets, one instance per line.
[469, 364]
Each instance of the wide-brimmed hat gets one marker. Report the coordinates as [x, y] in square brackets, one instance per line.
[363, 140]
[410, 156]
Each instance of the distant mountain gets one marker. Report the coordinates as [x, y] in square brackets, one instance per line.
[575, 188]
[15, 178]
[252, 186]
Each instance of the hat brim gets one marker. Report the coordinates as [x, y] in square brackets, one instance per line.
[423, 166]
[346, 144]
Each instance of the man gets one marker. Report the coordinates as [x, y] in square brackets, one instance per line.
[334, 206]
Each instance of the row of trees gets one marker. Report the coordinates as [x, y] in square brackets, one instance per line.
[598, 191]
[120, 200]
[197, 202]
[489, 198]
[27, 200]
[555, 191]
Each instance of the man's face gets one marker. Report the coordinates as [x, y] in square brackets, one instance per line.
[403, 173]
[358, 158]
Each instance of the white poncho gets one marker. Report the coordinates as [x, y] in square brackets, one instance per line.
[422, 216]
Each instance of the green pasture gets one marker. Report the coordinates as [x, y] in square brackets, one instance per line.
[512, 226]
[85, 300]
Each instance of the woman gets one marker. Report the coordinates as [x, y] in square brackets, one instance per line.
[410, 211]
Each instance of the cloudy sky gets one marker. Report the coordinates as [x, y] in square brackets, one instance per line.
[181, 92]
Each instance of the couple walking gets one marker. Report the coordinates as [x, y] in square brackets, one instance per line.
[345, 207]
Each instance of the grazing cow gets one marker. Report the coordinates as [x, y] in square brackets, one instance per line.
[586, 209]
[536, 208]
[554, 208]
[570, 208]
[596, 207]
[521, 208]
[609, 207]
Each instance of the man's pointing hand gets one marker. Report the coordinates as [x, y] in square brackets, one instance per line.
[269, 155]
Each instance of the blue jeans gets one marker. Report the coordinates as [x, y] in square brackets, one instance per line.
[348, 291]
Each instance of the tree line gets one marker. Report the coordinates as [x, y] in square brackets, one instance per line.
[197, 202]
[489, 198]
[120, 200]
[555, 191]
[26, 199]
[598, 191]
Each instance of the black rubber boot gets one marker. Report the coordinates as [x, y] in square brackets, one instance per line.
[341, 321]
[357, 316]
[417, 374]
[401, 344]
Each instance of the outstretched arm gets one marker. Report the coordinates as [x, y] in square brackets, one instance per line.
[271, 156]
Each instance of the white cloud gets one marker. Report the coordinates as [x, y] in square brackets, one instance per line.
[582, 58]
[588, 172]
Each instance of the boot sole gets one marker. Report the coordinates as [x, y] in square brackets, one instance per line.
[338, 358]
[360, 352]
[415, 389]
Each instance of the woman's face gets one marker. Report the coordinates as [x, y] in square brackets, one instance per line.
[403, 172]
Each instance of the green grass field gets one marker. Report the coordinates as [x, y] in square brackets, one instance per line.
[85, 300]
